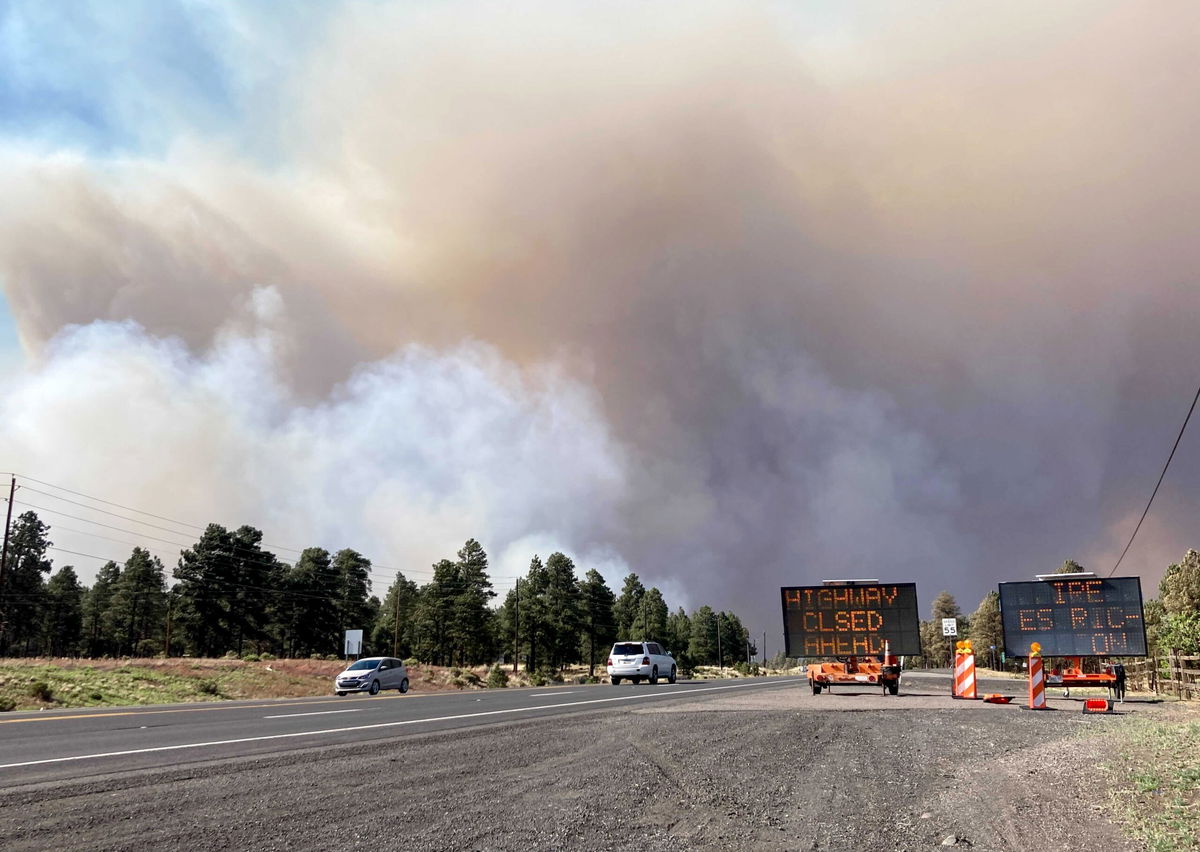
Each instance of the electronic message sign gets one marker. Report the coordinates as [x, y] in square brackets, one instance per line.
[1084, 617]
[850, 620]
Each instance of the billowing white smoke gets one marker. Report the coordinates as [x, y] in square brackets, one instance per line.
[409, 455]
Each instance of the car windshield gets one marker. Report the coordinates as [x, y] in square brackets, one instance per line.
[627, 648]
[363, 664]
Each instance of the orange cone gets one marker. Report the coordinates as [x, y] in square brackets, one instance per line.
[1037, 679]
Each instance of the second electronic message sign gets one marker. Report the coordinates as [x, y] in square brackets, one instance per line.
[851, 620]
[1082, 617]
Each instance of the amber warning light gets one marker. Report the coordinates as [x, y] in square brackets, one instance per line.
[851, 620]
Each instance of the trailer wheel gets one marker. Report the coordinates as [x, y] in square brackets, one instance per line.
[894, 687]
[816, 687]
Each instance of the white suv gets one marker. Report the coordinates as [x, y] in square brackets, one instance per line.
[638, 661]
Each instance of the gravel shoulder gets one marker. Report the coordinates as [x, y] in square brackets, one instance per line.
[774, 769]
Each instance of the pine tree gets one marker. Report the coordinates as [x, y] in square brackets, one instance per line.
[63, 624]
[599, 624]
[679, 634]
[394, 628]
[652, 615]
[206, 572]
[987, 631]
[137, 608]
[353, 578]
[97, 635]
[534, 616]
[24, 588]
[306, 612]
[628, 608]
[563, 611]
[937, 646]
[435, 614]
[703, 645]
[472, 616]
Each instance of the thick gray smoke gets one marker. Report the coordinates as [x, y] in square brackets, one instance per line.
[734, 300]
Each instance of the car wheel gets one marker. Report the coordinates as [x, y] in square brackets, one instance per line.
[671, 678]
[374, 690]
[404, 686]
[615, 681]
[341, 693]
[654, 675]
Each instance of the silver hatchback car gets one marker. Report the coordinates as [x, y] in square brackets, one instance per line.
[371, 674]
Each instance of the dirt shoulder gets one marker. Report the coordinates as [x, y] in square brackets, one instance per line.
[779, 769]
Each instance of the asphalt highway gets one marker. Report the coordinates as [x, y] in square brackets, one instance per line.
[73, 744]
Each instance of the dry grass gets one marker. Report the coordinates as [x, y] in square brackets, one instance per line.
[43, 683]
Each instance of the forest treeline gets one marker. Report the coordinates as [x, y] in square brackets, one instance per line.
[231, 596]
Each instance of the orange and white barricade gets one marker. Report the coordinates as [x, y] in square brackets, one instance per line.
[1037, 679]
[964, 671]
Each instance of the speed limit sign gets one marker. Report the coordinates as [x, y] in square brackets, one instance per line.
[949, 626]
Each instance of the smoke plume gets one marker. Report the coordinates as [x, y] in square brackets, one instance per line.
[733, 299]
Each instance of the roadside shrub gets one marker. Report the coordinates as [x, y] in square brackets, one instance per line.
[458, 682]
[685, 665]
[471, 678]
[332, 657]
[209, 687]
[537, 679]
[40, 690]
[250, 658]
[456, 672]
[96, 696]
[497, 678]
[7, 704]
[316, 657]
[231, 655]
[267, 657]
[412, 661]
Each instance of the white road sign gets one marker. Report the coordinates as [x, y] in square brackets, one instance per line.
[949, 626]
[353, 643]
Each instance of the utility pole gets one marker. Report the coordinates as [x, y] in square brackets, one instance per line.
[12, 490]
[396, 626]
[517, 626]
[764, 649]
[720, 656]
[167, 643]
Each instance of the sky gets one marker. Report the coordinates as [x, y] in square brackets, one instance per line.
[751, 296]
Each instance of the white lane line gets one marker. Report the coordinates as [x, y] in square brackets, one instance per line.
[541, 694]
[315, 713]
[641, 696]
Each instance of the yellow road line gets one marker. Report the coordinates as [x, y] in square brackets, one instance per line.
[66, 717]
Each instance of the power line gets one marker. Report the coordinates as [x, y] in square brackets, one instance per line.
[109, 502]
[266, 545]
[1161, 476]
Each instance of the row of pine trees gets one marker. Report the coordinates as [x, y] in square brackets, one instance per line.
[232, 596]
